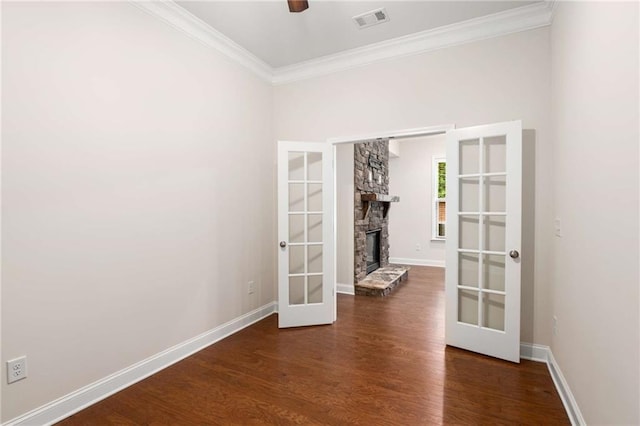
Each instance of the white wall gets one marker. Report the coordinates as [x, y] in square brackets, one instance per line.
[138, 192]
[595, 280]
[410, 220]
[138, 183]
[344, 219]
[500, 79]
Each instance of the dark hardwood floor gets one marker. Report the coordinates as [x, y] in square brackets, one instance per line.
[383, 362]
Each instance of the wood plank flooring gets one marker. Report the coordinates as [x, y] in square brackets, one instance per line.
[383, 363]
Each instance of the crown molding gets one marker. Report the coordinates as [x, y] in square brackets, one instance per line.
[507, 22]
[510, 21]
[184, 21]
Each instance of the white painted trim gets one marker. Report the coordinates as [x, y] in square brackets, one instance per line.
[570, 404]
[75, 401]
[345, 289]
[534, 352]
[417, 262]
[507, 22]
[541, 353]
[184, 21]
[396, 134]
[334, 165]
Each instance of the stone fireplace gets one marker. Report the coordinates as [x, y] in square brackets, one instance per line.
[371, 176]
[373, 276]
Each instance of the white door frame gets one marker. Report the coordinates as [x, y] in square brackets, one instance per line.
[395, 134]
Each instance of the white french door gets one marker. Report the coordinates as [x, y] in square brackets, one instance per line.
[484, 214]
[306, 287]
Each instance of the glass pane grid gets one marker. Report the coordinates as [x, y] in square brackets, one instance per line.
[481, 301]
[305, 228]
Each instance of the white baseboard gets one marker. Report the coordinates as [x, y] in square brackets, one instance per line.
[345, 289]
[570, 404]
[75, 401]
[533, 352]
[542, 353]
[417, 262]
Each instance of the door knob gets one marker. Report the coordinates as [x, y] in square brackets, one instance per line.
[514, 254]
[283, 244]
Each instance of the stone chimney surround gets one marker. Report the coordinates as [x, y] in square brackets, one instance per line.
[371, 201]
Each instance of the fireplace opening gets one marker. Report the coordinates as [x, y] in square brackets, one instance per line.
[373, 250]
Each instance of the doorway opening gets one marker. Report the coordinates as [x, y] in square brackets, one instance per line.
[367, 199]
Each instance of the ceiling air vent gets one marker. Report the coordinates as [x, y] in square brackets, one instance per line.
[370, 18]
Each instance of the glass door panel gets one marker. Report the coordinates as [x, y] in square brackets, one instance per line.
[314, 289]
[469, 192]
[296, 197]
[468, 306]
[296, 228]
[494, 154]
[468, 269]
[469, 156]
[493, 272]
[296, 290]
[314, 194]
[494, 232]
[296, 166]
[469, 232]
[493, 311]
[495, 194]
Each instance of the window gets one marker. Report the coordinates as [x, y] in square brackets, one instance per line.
[439, 198]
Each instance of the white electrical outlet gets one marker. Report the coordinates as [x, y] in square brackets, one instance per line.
[418, 248]
[555, 325]
[251, 287]
[16, 369]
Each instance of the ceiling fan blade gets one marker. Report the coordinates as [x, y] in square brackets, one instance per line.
[296, 6]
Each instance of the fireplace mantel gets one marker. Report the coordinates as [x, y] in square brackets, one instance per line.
[386, 200]
[373, 196]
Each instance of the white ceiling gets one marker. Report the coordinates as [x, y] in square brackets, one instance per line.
[279, 38]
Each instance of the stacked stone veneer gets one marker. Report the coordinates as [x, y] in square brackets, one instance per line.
[378, 150]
